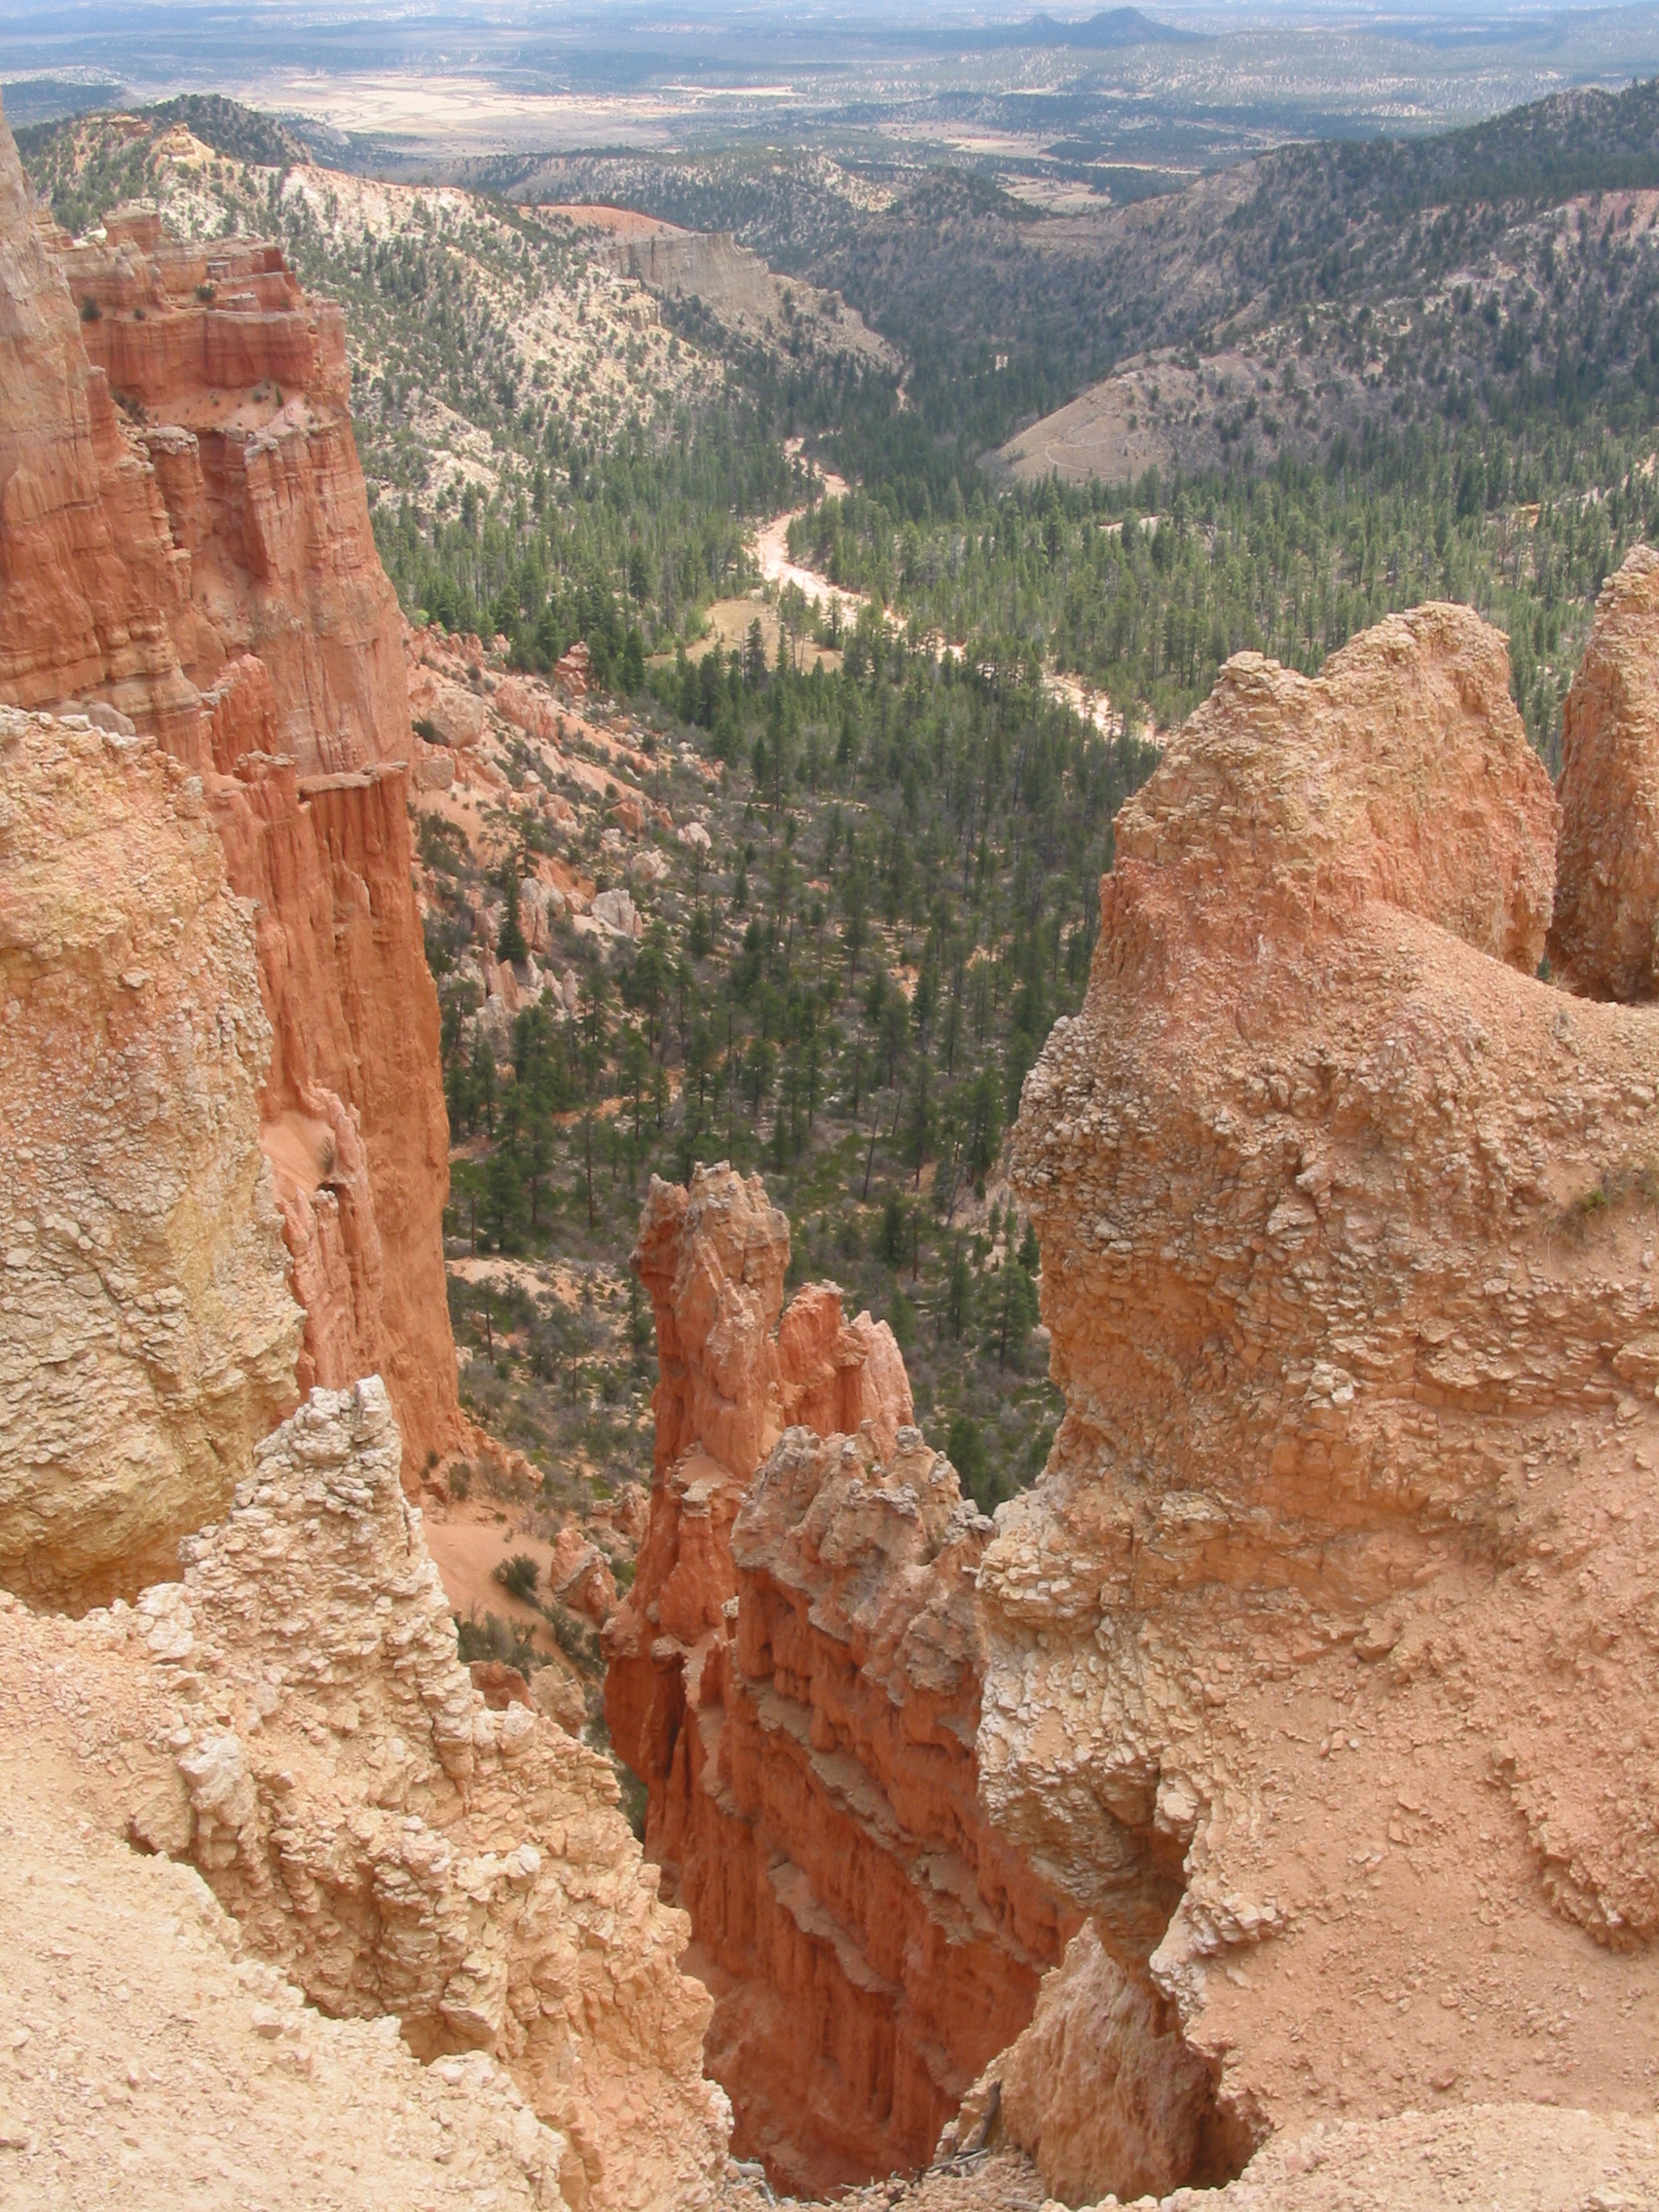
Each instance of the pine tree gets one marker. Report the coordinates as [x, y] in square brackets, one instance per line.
[510, 943]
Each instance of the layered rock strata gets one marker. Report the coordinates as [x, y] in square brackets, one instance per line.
[197, 563]
[882, 1941]
[146, 1339]
[795, 1676]
[238, 390]
[354, 1077]
[92, 584]
[1319, 1666]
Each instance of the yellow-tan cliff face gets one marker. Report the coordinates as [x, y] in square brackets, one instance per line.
[146, 1337]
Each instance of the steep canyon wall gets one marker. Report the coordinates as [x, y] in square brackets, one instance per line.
[795, 1676]
[185, 549]
[289, 1713]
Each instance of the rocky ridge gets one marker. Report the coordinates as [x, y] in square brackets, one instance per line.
[192, 2073]
[1601, 935]
[291, 1717]
[1312, 1678]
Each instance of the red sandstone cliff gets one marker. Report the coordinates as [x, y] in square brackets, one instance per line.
[354, 1075]
[199, 558]
[238, 390]
[91, 583]
[795, 1676]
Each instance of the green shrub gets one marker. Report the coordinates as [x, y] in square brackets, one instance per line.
[519, 1575]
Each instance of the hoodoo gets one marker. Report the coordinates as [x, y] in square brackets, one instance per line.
[185, 550]
[795, 1676]
[1318, 1672]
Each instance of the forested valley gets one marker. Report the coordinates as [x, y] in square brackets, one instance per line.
[907, 812]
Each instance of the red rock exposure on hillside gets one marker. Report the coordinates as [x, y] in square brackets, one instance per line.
[1321, 1661]
[185, 548]
[795, 1676]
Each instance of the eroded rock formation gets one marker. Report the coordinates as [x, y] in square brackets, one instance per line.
[238, 390]
[92, 584]
[292, 1717]
[354, 1072]
[225, 2087]
[882, 1941]
[1607, 901]
[795, 1676]
[1319, 1668]
[197, 563]
[146, 1339]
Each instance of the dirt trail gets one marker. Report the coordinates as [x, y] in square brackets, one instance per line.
[771, 550]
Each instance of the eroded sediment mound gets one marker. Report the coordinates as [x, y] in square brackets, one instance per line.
[151, 2065]
[292, 1717]
[1320, 1668]
[146, 1337]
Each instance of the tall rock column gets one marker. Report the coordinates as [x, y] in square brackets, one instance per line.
[796, 1678]
[1605, 937]
[185, 548]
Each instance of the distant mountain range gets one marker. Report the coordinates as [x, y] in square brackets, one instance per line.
[1107, 31]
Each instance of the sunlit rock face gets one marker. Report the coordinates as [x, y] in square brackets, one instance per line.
[1319, 1668]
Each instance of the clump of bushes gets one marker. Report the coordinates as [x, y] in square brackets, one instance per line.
[519, 1575]
[492, 1637]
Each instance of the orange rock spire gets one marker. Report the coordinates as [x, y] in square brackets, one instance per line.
[795, 1676]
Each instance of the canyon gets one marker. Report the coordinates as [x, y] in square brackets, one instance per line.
[1292, 1727]
[1262, 1801]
